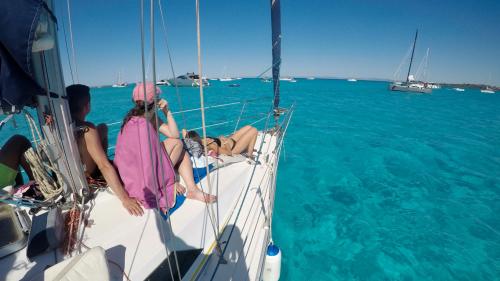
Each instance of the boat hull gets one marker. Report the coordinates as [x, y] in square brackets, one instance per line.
[186, 83]
[403, 88]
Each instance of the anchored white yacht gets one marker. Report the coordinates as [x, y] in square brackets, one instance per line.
[410, 85]
[188, 80]
[288, 79]
[487, 90]
[119, 83]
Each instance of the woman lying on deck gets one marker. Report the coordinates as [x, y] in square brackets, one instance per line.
[133, 157]
[241, 142]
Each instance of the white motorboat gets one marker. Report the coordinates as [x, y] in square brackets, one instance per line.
[288, 79]
[163, 82]
[188, 80]
[487, 90]
[459, 89]
[352, 80]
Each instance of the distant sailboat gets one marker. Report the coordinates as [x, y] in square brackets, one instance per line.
[119, 83]
[288, 79]
[226, 78]
[411, 85]
[487, 90]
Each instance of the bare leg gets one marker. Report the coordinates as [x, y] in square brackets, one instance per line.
[240, 133]
[193, 192]
[253, 140]
[12, 156]
[184, 166]
[246, 142]
[174, 149]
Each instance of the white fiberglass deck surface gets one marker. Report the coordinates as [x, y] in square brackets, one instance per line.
[139, 244]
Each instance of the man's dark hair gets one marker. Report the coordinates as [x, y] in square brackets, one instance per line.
[78, 97]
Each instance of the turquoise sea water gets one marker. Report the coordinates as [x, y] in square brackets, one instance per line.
[372, 184]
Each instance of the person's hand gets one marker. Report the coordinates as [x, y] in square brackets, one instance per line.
[133, 206]
[163, 105]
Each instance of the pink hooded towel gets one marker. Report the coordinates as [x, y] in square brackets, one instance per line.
[132, 158]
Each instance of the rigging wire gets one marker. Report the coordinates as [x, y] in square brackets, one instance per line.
[67, 52]
[158, 141]
[147, 127]
[210, 209]
[164, 27]
[72, 42]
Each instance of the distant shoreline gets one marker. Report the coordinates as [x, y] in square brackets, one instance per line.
[446, 85]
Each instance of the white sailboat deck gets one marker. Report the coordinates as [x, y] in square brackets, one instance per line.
[137, 243]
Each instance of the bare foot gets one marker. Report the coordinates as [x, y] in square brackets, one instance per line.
[180, 188]
[199, 195]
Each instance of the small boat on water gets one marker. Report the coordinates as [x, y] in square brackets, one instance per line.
[119, 83]
[266, 80]
[288, 79]
[311, 78]
[410, 85]
[162, 82]
[352, 80]
[226, 79]
[487, 90]
[188, 80]
[459, 89]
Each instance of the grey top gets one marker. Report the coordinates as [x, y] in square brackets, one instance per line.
[194, 148]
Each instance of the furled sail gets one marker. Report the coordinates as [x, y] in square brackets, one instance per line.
[17, 84]
[276, 36]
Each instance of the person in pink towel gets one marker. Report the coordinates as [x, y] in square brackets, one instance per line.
[133, 157]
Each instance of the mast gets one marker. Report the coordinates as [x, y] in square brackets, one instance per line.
[276, 41]
[59, 134]
[411, 59]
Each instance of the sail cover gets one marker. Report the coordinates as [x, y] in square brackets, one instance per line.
[276, 36]
[18, 21]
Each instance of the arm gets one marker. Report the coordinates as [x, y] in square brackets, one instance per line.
[96, 151]
[169, 129]
[219, 150]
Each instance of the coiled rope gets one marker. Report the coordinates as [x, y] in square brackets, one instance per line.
[42, 170]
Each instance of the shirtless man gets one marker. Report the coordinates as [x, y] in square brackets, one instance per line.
[92, 144]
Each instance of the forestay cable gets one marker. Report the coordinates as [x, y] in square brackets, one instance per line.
[164, 27]
[72, 42]
[158, 141]
[210, 209]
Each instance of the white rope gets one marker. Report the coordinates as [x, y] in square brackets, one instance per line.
[5, 120]
[49, 187]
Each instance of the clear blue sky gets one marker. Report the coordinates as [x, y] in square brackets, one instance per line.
[355, 38]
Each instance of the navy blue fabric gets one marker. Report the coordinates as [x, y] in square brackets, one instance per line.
[201, 173]
[18, 22]
[276, 39]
